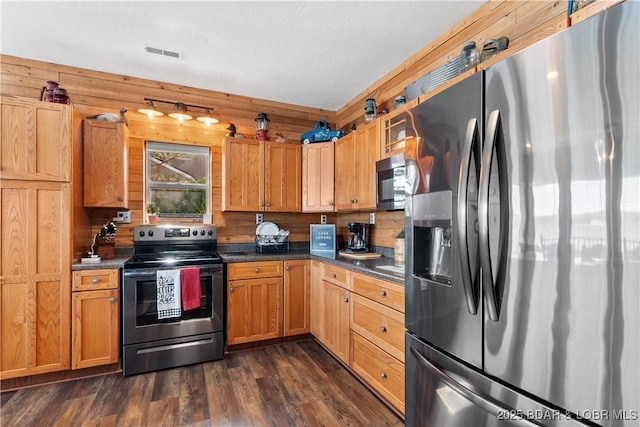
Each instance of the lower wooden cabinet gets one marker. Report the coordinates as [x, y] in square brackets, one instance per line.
[360, 320]
[254, 309]
[335, 330]
[296, 297]
[35, 278]
[380, 370]
[95, 318]
[267, 299]
[316, 306]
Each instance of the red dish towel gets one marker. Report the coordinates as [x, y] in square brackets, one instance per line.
[190, 287]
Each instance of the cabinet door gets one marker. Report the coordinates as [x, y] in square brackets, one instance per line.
[36, 140]
[296, 297]
[35, 277]
[345, 173]
[242, 175]
[283, 174]
[317, 177]
[254, 310]
[106, 157]
[367, 153]
[95, 328]
[316, 308]
[335, 333]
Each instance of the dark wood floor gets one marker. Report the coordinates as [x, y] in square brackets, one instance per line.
[289, 384]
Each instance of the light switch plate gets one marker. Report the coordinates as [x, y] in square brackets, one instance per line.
[258, 218]
[323, 219]
[372, 218]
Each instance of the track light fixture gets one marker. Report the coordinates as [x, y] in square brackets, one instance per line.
[180, 111]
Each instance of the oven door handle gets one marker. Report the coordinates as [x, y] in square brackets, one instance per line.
[151, 273]
[139, 274]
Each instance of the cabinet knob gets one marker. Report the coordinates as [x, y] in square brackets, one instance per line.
[119, 198]
[287, 268]
[112, 299]
[333, 275]
[383, 329]
[268, 204]
[256, 270]
[261, 204]
[383, 293]
[355, 201]
[231, 290]
[95, 281]
[383, 375]
[346, 299]
[331, 203]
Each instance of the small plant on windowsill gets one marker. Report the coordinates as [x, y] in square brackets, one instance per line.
[152, 213]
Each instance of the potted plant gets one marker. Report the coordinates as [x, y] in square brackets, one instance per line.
[152, 212]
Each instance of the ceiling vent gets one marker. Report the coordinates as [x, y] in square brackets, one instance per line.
[164, 52]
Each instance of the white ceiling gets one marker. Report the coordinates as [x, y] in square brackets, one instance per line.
[313, 53]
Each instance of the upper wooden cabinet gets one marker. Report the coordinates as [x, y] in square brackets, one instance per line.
[261, 176]
[36, 140]
[356, 156]
[106, 181]
[393, 131]
[317, 177]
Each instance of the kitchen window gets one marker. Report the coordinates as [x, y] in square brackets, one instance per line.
[178, 179]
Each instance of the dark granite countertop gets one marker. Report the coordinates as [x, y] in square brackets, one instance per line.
[378, 267]
[252, 255]
[116, 262]
[382, 268]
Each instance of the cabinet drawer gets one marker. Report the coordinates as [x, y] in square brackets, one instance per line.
[381, 371]
[90, 280]
[251, 270]
[387, 293]
[336, 275]
[379, 324]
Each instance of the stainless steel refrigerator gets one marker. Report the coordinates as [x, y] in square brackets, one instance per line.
[523, 237]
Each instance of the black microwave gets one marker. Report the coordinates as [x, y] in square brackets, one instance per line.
[390, 183]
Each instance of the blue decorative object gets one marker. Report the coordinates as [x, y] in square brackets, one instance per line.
[321, 132]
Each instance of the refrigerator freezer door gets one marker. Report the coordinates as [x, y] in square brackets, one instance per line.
[447, 393]
[567, 327]
[442, 303]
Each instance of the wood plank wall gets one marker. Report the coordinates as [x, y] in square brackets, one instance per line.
[94, 92]
[523, 22]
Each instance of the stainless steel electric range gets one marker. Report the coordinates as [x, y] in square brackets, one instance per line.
[159, 329]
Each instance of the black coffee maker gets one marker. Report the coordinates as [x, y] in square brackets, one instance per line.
[357, 237]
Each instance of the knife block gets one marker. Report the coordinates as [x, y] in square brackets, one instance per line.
[106, 250]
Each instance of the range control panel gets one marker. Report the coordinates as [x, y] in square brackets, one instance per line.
[174, 233]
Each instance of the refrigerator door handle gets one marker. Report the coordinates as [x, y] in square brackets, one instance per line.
[463, 187]
[486, 403]
[488, 284]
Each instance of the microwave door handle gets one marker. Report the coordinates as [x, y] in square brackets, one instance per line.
[461, 224]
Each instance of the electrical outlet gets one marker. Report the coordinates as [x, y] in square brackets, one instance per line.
[258, 218]
[323, 219]
[372, 218]
[124, 217]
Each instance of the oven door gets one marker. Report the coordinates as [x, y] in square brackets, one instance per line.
[140, 321]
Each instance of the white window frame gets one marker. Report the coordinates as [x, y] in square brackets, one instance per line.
[177, 148]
